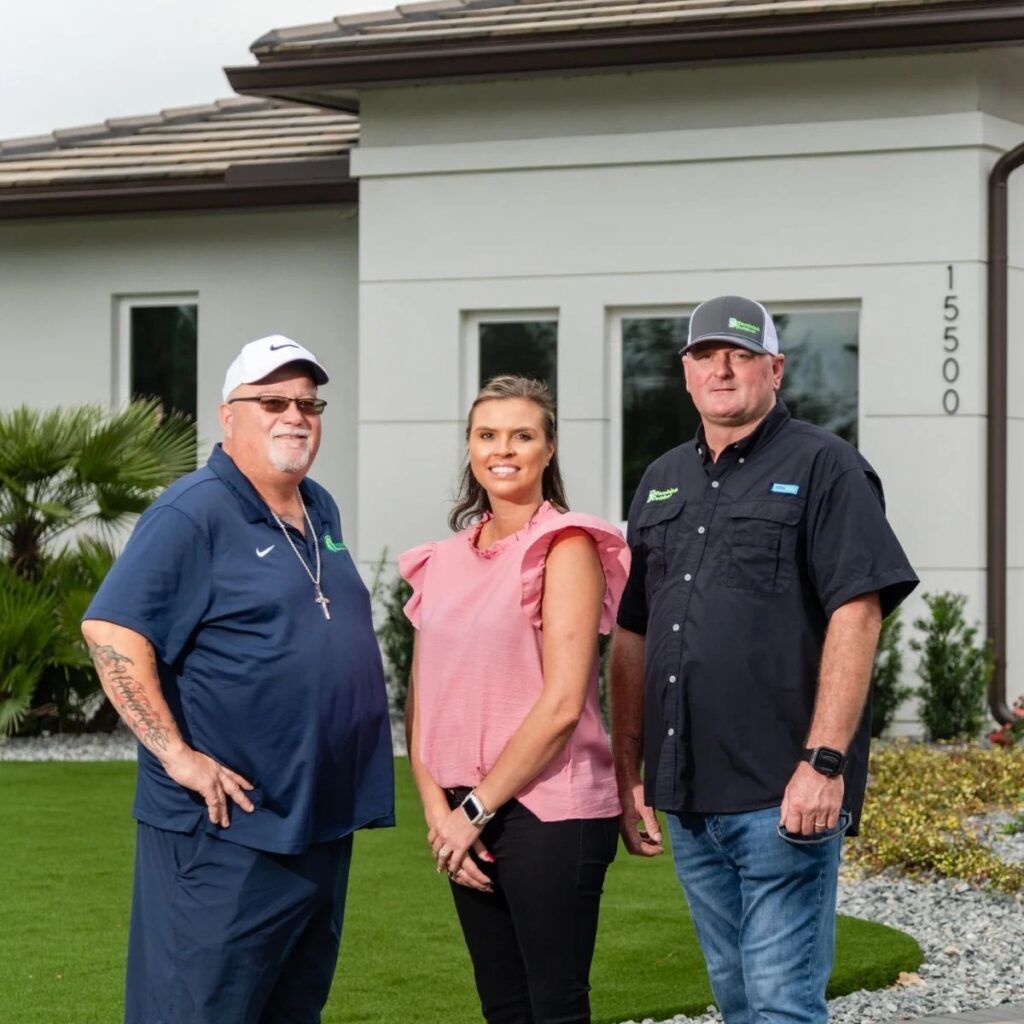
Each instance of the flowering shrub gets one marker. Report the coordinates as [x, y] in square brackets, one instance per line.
[1010, 733]
[918, 801]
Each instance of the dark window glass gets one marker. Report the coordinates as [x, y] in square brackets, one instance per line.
[819, 384]
[657, 414]
[163, 355]
[527, 349]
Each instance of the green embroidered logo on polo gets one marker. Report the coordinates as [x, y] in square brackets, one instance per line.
[742, 325]
[333, 545]
[655, 495]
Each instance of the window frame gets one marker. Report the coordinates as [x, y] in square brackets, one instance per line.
[615, 317]
[121, 383]
[469, 356]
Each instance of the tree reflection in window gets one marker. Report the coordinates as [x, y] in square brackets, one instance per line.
[525, 348]
[819, 384]
[164, 343]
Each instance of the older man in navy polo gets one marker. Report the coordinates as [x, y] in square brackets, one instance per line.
[234, 637]
[762, 567]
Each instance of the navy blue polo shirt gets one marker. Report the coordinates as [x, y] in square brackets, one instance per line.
[255, 676]
[737, 566]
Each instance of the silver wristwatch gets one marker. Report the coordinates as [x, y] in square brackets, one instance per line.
[476, 812]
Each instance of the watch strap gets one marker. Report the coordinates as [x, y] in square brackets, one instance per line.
[475, 811]
[825, 760]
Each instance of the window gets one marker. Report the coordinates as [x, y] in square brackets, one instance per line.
[820, 383]
[525, 344]
[158, 344]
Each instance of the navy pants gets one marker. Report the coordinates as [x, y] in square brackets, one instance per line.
[224, 934]
[532, 939]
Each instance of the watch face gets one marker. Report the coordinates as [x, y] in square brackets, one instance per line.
[826, 761]
[472, 808]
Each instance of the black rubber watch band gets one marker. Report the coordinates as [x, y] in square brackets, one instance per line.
[825, 760]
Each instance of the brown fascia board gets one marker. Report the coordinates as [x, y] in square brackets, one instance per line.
[323, 81]
[244, 191]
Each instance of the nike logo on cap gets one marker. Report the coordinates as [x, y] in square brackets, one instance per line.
[262, 553]
[287, 344]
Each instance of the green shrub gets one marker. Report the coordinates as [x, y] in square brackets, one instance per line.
[954, 668]
[916, 809]
[886, 692]
[395, 632]
[46, 675]
[64, 473]
[28, 628]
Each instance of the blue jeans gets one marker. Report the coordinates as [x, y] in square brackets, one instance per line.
[764, 909]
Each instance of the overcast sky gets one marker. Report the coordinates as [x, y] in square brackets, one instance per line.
[65, 63]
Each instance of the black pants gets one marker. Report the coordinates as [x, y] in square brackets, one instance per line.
[532, 939]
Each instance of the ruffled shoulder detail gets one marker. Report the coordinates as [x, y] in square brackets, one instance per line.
[412, 565]
[611, 549]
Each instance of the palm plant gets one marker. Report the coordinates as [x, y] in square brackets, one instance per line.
[64, 469]
[66, 474]
[27, 617]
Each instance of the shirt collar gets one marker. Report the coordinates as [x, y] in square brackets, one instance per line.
[254, 508]
[767, 428]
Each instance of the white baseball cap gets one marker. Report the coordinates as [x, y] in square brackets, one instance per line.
[262, 357]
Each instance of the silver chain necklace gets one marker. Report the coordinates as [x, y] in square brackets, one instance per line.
[320, 598]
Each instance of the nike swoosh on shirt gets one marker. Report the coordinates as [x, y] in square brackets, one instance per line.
[265, 551]
[274, 348]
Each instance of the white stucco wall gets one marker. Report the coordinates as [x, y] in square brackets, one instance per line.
[855, 182]
[253, 274]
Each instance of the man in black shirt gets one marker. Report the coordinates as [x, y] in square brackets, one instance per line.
[762, 567]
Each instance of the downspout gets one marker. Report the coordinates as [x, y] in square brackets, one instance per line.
[998, 243]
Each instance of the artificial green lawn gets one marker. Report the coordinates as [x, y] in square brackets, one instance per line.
[66, 850]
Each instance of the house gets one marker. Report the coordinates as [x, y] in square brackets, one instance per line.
[138, 256]
[550, 186]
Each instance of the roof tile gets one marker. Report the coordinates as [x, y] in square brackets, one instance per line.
[435, 20]
[199, 141]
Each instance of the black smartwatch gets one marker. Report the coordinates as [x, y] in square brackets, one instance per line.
[825, 760]
[474, 810]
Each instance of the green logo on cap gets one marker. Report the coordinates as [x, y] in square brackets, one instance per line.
[742, 325]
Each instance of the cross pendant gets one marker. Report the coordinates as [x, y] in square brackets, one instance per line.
[323, 602]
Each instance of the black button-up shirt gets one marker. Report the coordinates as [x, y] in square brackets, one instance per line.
[737, 566]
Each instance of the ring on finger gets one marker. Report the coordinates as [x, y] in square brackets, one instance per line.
[444, 853]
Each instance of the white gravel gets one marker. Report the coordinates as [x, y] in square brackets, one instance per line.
[973, 939]
[119, 745]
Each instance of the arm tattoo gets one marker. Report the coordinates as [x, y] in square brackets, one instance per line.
[129, 697]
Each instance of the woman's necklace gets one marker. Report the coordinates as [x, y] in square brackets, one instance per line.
[320, 598]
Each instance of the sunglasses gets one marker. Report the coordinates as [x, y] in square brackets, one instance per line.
[277, 404]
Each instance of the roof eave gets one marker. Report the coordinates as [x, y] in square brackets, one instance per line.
[334, 80]
[179, 197]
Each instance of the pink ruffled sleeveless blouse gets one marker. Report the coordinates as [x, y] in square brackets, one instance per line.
[478, 614]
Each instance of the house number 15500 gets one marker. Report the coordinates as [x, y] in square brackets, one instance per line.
[950, 345]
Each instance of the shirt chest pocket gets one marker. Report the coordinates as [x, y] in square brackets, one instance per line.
[762, 545]
[657, 526]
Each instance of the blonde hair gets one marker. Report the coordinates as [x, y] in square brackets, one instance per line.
[472, 501]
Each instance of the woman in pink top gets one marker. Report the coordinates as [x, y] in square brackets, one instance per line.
[506, 741]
